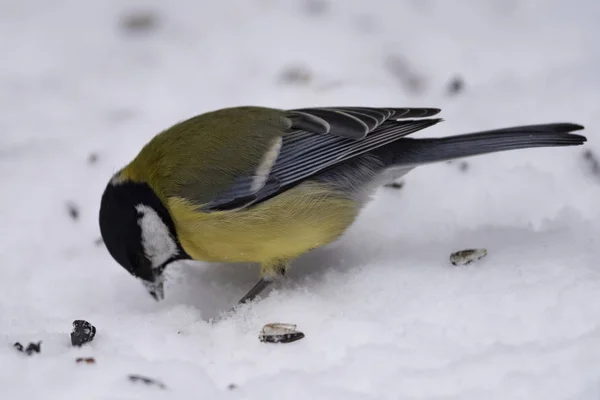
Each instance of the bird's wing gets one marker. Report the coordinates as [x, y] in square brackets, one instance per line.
[320, 138]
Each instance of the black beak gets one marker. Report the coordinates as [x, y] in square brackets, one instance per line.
[157, 291]
[156, 288]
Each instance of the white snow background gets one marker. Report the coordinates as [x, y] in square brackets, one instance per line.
[386, 316]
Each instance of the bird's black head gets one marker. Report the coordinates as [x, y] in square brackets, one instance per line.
[139, 233]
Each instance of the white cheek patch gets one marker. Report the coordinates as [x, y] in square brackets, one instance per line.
[158, 244]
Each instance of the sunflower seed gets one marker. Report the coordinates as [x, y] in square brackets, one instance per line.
[280, 333]
[466, 257]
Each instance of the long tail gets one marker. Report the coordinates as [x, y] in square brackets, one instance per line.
[413, 152]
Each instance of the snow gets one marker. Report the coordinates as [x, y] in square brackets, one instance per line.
[386, 316]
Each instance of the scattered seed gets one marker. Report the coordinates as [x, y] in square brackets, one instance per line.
[593, 161]
[295, 75]
[280, 333]
[463, 166]
[147, 381]
[31, 348]
[455, 86]
[466, 257]
[315, 7]
[98, 242]
[400, 68]
[92, 158]
[73, 210]
[395, 185]
[232, 386]
[140, 22]
[83, 332]
[85, 360]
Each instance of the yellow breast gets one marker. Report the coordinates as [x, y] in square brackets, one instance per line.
[284, 227]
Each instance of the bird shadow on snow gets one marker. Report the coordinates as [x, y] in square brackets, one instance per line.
[215, 288]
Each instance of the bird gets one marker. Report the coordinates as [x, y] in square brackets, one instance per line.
[265, 185]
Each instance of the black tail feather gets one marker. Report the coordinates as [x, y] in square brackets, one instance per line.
[413, 152]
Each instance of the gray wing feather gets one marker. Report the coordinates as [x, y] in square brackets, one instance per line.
[336, 122]
[297, 167]
[321, 138]
[351, 122]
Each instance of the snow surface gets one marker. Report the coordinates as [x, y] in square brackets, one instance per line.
[385, 314]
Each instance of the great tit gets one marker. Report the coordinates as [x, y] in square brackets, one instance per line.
[263, 185]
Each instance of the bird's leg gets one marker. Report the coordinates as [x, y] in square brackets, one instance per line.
[269, 272]
[257, 289]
